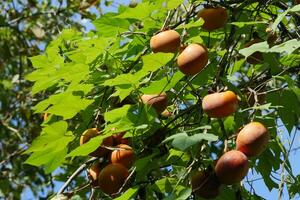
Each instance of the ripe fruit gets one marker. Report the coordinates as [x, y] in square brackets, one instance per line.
[192, 59]
[205, 184]
[94, 172]
[112, 177]
[221, 104]
[118, 139]
[124, 155]
[256, 57]
[93, 132]
[253, 139]
[232, 167]
[214, 18]
[158, 101]
[297, 1]
[166, 41]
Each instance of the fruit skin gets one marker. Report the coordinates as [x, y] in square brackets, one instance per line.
[112, 177]
[94, 172]
[167, 42]
[93, 132]
[192, 59]
[221, 104]
[232, 167]
[205, 184]
[297, 1]
[158, 101]
[253, 139]
[256, 57]
[214, 18]
[124, 156]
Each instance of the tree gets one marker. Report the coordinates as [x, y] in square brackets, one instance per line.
[25, 28]
[96, 80]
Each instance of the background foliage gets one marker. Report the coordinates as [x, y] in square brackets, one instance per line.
[95, 79]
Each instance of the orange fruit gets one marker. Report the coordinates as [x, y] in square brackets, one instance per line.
[214, 18]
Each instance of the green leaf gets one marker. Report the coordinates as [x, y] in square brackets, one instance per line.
[128, 194]
[142, 11]
[155, 61]
[107, 25]
[242, 24]
[172, 4]
[50, 147]
[192, 24]
[64, 104]
[183, 141]
[88, 147]
[163, 85]
[292, 60]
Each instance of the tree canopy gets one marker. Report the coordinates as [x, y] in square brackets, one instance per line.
[98, 80]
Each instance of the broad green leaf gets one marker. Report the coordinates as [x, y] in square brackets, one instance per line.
[88, 147]
[142, 11]
[154, 61]
[287, 47]
[50, 148]
[117, 114]
[292, 60]
[128, 194]
[107, 25]
[172, 4]
[64, 104]
[192, 24]
[183, 141]
[163, 85]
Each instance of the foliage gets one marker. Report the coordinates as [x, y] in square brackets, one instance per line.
[96, 79]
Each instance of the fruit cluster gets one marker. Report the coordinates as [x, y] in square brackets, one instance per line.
[233, 165]
[251, 141]
[110, 178]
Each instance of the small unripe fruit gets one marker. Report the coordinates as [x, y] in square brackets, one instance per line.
[221, 104]
[112, 177]
[158, 101]
[124, 156]
[256, 57]
[214, 18]
[93, 132]
[205, 184]
[192, 59]
[165, 41]
[133, 4]
[232, 167]
[253, 139]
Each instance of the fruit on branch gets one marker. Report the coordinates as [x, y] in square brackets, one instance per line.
[220, 104]
[166, 41]
[94, 172]
[112, 177]
[297, 1]
[93, 132]
[256, 57]
[158, 101]
[118, 139]
[124, 156]
[253, 139]
[205, 184]
[232, 167]
[192, 59]
[272, 36]
[214, 18]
